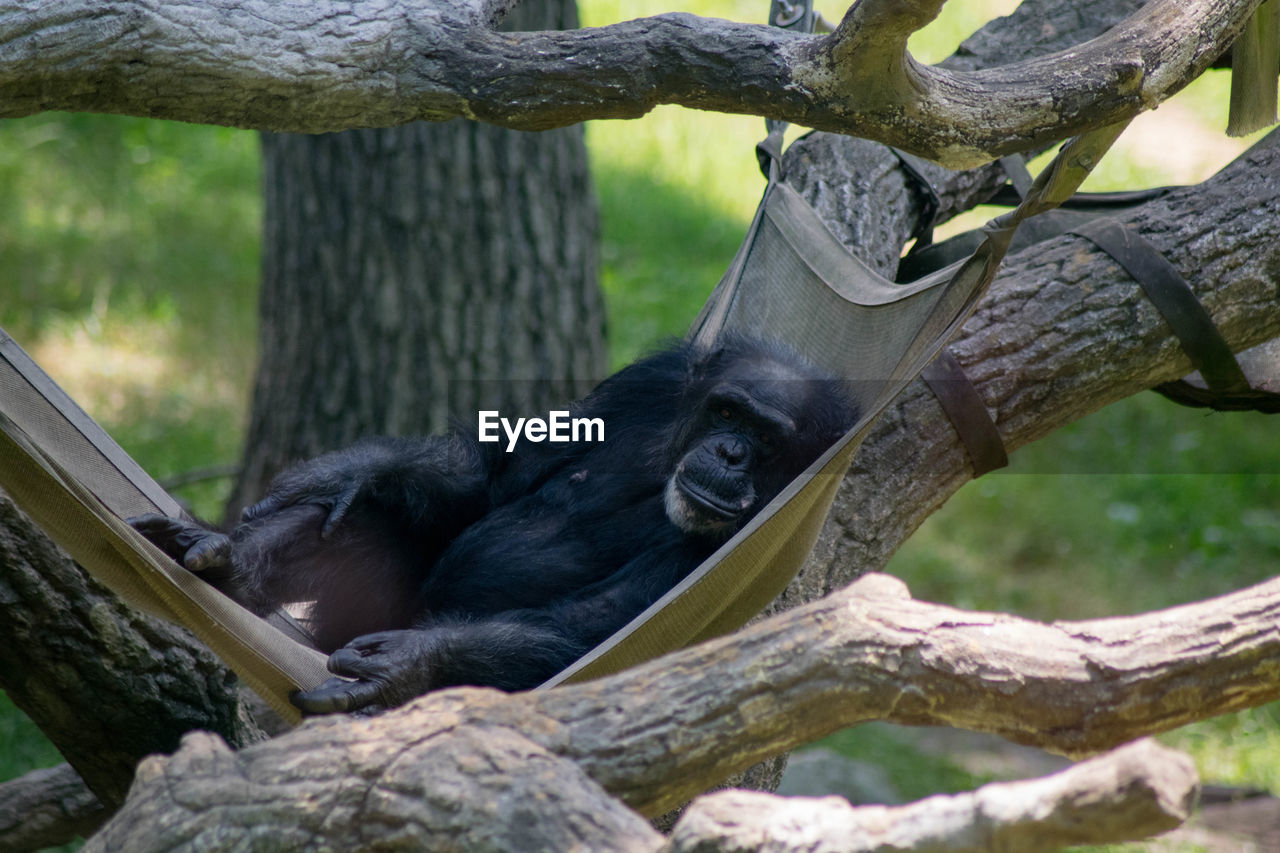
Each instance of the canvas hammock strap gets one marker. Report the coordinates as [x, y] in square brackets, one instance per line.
[1228, 384]
[1226, 387]
[952, 387]
[945, 377]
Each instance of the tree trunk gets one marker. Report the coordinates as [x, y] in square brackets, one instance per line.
[420, 273]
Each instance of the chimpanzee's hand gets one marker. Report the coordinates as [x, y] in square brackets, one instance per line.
[389, 668]
[197, 548]
[334, 481]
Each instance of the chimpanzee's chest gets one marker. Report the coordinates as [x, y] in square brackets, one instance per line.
[572, 532]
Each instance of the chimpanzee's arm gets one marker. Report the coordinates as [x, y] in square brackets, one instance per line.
[516, 650]
[441, 481]
[390, 668]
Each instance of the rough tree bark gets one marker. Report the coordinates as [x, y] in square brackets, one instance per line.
[46, 808]
[414, 274]
[1140, 790]
[439, 768]
[323, 67]
[108, 683]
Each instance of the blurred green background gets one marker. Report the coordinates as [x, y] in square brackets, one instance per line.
[128, 268]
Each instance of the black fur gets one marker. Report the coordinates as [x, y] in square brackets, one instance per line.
[445, 561]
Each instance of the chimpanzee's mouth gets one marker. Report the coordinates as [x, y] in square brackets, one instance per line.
[711, 503]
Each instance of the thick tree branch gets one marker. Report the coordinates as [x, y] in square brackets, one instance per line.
[658, 734]
[1135, 792]
[354, 785]
[107, 683]
[47, 808]
[371, 63]
[870, 652]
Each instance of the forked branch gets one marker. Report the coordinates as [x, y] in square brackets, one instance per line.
[373, 63]
[1137, 791]
[659, 734]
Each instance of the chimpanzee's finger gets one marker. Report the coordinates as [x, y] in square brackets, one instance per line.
[262, 508]
[338, 512]
[336, 696]
[211, 552]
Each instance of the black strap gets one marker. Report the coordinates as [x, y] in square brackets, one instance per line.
[1008, 196]
[917, 168]
[792, 15]
[769, 151]
[967, 413]
[797, 16]
[1015, 169]
[1185, 393]
[1174, 299]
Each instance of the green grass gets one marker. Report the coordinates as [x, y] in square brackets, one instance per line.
[128, 266]
[22, 747]
[698, 236]
[913, 773]
[1156, 504]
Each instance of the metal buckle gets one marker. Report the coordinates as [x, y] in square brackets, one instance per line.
[790, 13]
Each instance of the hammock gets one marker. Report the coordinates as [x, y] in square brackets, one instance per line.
[791, 279]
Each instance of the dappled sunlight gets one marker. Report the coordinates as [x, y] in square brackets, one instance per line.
[1196, 118]
[709, 154]
[173, 413]
[116, 370]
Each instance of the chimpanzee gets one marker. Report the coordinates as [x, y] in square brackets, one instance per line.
[446, 561]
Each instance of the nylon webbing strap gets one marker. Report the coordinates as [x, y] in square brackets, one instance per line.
[918, 169]
[1015, 169]
[967, 413]
[1174, 299]
[67, 433]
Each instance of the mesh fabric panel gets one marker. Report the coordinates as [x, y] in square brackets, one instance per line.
[792, 279]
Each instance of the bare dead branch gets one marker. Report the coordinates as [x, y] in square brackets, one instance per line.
[659, 734]
[1137, 791]
[46, 808]
[373, 63]
[870, 652]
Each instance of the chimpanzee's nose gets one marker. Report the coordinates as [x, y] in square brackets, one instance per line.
[732, 450]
